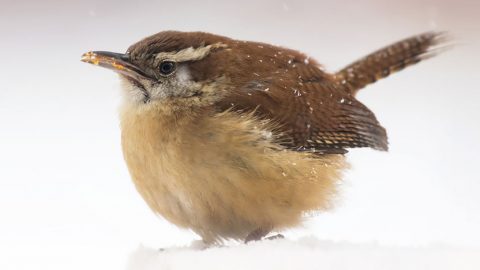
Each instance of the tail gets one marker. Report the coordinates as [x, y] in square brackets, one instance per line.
[390, 59]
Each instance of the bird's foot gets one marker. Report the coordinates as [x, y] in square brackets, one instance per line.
[256, 235]
[260, 233]
[275, 237]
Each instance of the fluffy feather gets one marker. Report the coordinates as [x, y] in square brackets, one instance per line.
[221, 174]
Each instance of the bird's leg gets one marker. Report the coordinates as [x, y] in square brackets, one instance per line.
[257, 234]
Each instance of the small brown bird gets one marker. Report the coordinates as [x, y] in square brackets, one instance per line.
[234, 139]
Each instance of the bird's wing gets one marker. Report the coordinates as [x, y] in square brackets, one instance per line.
[315, 114]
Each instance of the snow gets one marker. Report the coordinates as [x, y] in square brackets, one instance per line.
[305, 253]
[66, 197]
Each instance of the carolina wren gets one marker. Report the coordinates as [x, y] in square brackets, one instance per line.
[233, 139]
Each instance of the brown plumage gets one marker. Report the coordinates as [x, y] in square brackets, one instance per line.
[234, 139]
[390, 59]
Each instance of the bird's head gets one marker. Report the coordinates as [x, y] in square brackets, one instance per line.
[170, 67]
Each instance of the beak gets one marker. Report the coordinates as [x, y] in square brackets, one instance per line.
[117, 62]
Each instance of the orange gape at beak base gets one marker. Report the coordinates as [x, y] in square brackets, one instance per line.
[115, 61]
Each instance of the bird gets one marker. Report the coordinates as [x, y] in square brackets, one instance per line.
[236, 139]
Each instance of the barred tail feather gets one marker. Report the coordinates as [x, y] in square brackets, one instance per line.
[390, 59]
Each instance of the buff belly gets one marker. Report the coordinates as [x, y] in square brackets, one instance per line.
[223, 178]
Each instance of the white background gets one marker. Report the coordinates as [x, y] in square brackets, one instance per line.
[66, 200]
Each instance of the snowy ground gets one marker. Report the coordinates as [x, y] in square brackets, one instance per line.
[305, 253]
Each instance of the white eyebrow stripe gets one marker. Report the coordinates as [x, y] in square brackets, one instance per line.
[188, 54]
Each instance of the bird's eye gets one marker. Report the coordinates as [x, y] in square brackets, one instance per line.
[167, 67]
